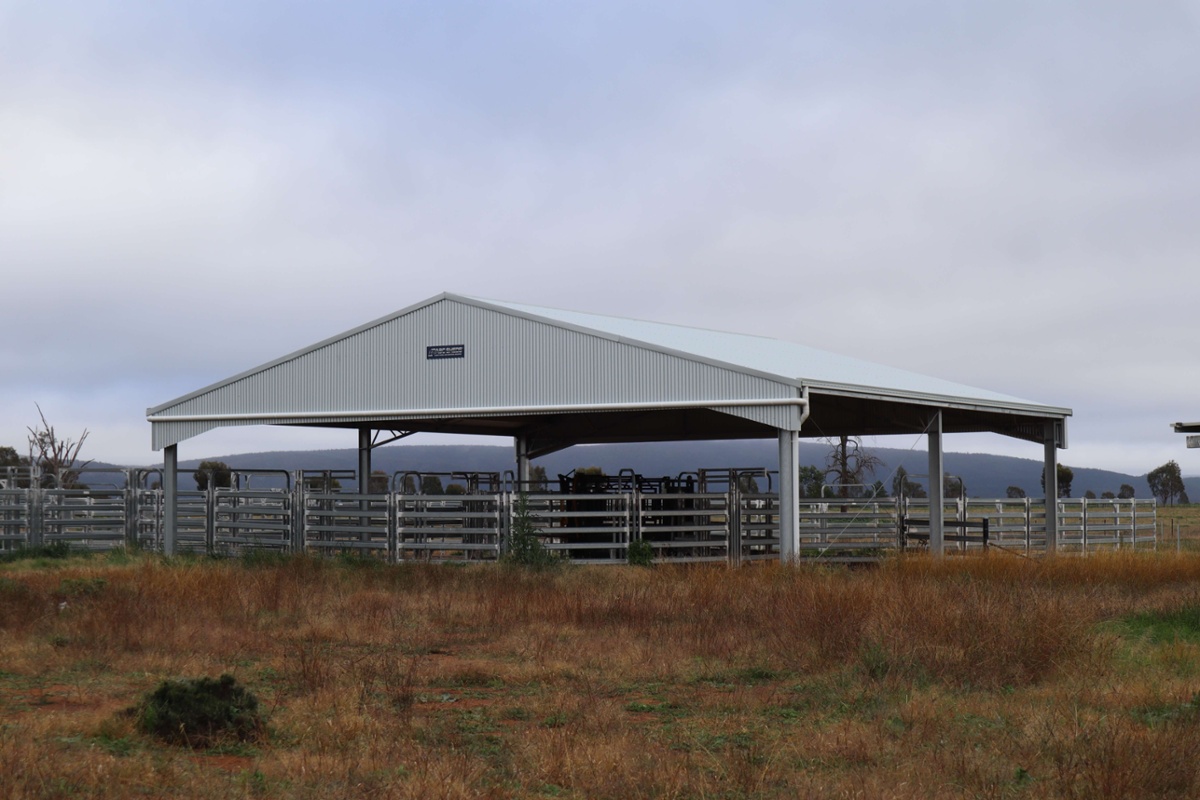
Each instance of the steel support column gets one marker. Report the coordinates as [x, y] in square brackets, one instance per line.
[364, 460]
[937, 482]
[1051, 481]
[364, 480]
[170, 497]
[521, 445]
[789, 496]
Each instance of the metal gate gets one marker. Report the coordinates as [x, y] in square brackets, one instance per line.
[348, 523]
[686, 526]
[85, 519]
[449, 527]
[758, 527]
[14, 518]
[252, 518]
[1086, 524]
[848, 529]
[593, 528]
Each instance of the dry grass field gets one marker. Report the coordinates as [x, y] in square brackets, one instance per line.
[988, 677]
[1185, 520]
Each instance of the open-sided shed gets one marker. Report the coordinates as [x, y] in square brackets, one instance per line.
[551, 379]
[1193, 428]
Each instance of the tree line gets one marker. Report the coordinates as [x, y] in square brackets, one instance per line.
[848, 472]
[849, 467]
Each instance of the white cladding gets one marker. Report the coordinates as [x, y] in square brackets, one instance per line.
[787, 360]
[509, 358]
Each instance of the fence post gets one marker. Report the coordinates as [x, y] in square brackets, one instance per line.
[36, 511]
[962, 517]
[733, 504]
[390, 506]
[633, 516]
[1132, 527]
[297, 533]
[130, 510]
[1083, 516]
[210, 515]
[1028, 524]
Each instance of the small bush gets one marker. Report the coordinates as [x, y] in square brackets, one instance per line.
[641, 554]
[200, 712]
[524, 547]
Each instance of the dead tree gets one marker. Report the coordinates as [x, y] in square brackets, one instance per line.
[55, 456]
[848, 465]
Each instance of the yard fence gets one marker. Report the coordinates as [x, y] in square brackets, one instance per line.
[713, 515]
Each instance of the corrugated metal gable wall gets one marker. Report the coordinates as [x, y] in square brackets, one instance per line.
[508, 360]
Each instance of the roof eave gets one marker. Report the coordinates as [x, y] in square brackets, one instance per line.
[945, 401]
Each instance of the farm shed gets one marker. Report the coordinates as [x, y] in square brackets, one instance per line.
[551, 379]
[1192, 428]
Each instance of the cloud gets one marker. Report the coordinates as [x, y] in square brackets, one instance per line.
[1003, 196]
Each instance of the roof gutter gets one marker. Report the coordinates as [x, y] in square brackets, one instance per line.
[667, 405]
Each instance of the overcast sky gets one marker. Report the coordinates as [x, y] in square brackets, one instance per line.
[1004, 194]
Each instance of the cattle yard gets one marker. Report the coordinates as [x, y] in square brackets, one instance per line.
[709, 515]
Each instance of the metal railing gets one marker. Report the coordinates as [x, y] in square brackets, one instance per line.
[724, 518]
[449, 527]
[14, 518]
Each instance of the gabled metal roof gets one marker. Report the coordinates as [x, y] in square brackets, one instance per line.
[802, 365]
[549, 373]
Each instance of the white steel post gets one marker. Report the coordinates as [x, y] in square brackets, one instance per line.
[364, 460]
[1051, 481]
[789, 496]
[364, 482]
[937, 541]
[170, 497]
[521, 444]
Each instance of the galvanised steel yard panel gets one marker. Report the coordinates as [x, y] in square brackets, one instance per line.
[594, 528]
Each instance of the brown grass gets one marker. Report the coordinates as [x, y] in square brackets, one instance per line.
[991, 677]
[1182, 520]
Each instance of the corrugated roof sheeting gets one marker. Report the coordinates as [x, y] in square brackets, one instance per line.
[772, 356]
[508, 360]
[168, 433]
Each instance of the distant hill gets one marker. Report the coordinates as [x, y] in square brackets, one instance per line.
[983, 474]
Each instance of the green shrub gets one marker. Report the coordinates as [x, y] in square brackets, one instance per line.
[524, 548]
[200, 712]
[641, 553]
